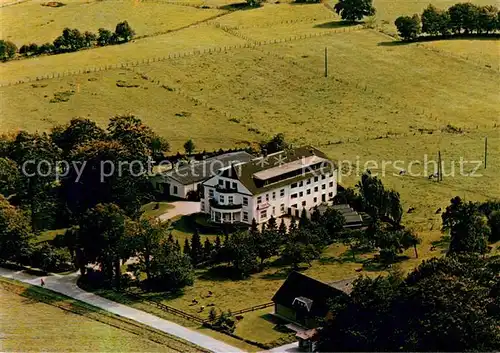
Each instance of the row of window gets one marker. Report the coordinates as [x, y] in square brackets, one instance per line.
[308, 181]
[263, 213]
[308, 191]
[282, 194]
[315, 200]
[230, 198]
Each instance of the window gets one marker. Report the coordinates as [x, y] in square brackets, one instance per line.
[282, 193]
[263, 214]
[211, 193]
[234, 185]
[294, 185]
[221, 182]
[259, 199]
[274, 195]
[282, 208]
[274, 210]
[308, 181]
[221, 198]
[202, 206]
[303, 203]
[267, 197]
[323, 177]
[245, 201]
[301, 183]
[301, 194]
[316, 189]
[330, 194]
[323, 187]
[294, 206]
[176, 190]
[230, 200]
[293, 196]
[308, 192]
[315, 200]
[331, 184]
[316, 179]
[228, 184]
[323, 197]
[245, 216]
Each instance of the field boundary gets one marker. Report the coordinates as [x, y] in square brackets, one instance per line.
[278, 23]
[253, 308]
[168, 308]
[12, 3]
[446, 53]
[177, 55]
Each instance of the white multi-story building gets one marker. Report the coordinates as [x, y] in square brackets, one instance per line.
[277, 184]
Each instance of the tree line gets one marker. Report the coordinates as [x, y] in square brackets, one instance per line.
[70, 40]
[460, 19]
[445, 304]
[45, 194]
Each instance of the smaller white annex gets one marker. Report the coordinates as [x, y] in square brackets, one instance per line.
[180, 180]
[277, 184]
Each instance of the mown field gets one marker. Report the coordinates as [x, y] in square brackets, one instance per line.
[37, 320]
[43, 24]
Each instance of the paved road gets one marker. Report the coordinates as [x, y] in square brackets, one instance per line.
[67, 285]
[180, 208]
[287, 348]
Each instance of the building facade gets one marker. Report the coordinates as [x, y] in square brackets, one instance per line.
[180, 181]
[278, 184]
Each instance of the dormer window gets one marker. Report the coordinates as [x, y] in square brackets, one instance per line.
[302, 303]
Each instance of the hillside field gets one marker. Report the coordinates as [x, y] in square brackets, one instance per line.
[239, 78]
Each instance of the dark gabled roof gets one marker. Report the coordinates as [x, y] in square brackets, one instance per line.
[203, 170]
[298, 285]
[245, 172]
[345, 285]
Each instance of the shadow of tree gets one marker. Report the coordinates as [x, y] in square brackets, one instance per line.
[394, 43]
[337, 24]
[423, 39]
[221, 273]
[236, 7]
[375, 265]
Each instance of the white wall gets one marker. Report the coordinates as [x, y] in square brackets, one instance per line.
[287, 201]
[254, 209]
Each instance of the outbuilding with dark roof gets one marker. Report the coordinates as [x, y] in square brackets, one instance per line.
[180, 180]
[303, 299]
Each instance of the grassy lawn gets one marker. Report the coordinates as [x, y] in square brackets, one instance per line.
[155, 209]
[197, 38]
[33, 320]
[160, 313]
[49, 235]
[184, 226]
[382, 101]
[43, 24]
[481, 51]
[272, 14]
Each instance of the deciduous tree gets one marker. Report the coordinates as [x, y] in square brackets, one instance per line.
[354, 10]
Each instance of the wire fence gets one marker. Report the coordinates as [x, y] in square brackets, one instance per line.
[145, 61]
[13, 3]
